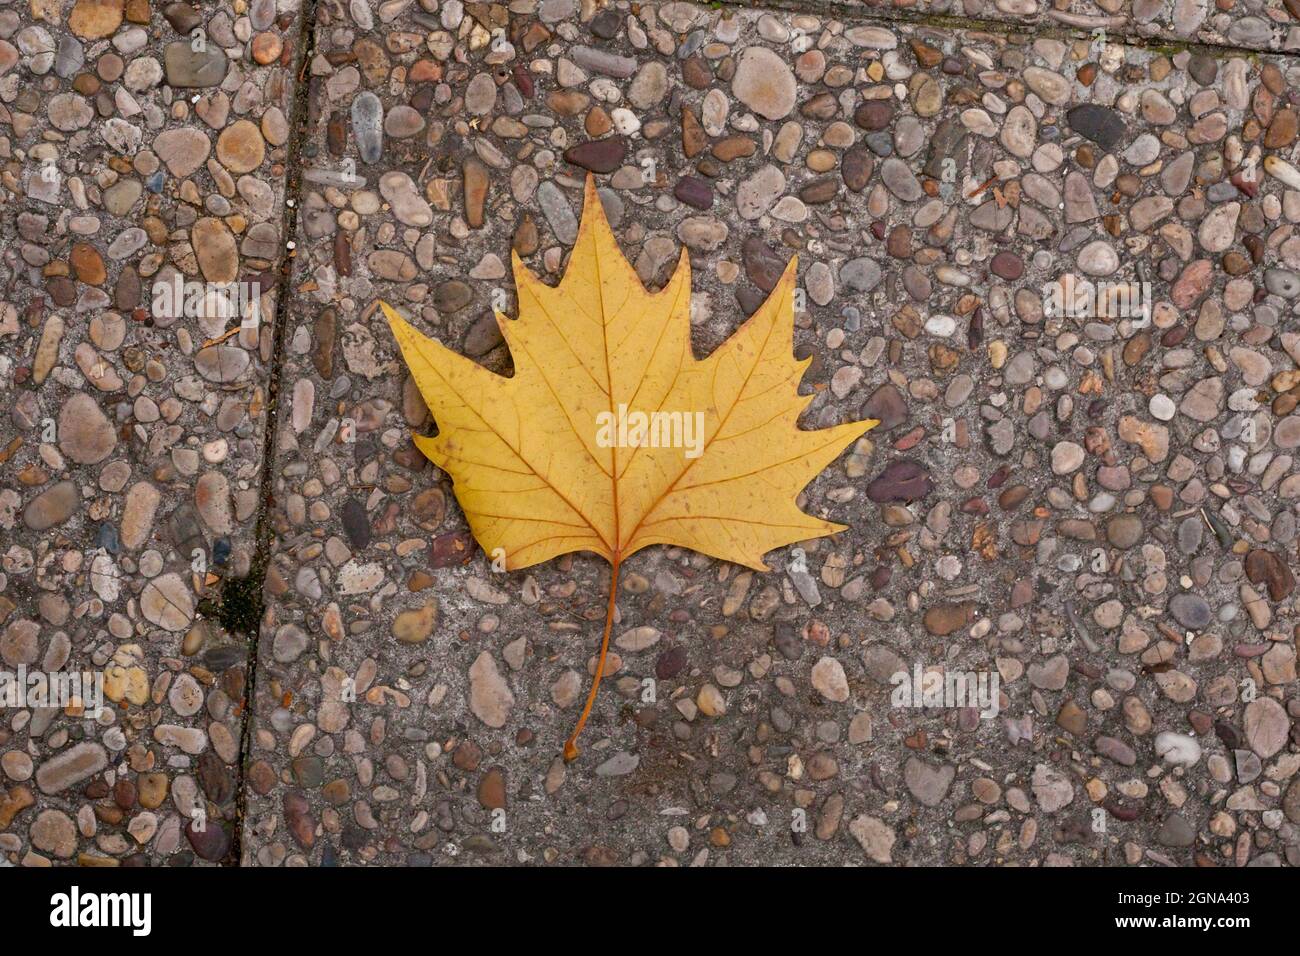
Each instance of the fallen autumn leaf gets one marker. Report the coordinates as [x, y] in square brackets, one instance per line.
[611, 436]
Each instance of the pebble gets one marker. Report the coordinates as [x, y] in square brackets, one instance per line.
[828, 679]
[764, 83]
[1191, 611]
[368, 126]
[52, 507]
[902, 480]
[167, 602]
[928, 783]
[70, 767]
[85, 434]
[1178, 749]
[1040, 483]
[188, 68]
[860, 275]
[1100, 124]
[599, 156]
[490, 696]
[559, 214]
[1267, 726]
[876, 838]
[1052, 789]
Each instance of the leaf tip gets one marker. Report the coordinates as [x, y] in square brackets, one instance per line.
[681, 277]
[429, 447]
[396, 324]
[593, 214]
[852, 431]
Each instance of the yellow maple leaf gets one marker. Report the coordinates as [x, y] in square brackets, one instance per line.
[611, 436]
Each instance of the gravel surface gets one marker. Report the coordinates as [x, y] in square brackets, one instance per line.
[1060, 267]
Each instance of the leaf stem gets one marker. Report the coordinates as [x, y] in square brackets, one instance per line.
[571, 750]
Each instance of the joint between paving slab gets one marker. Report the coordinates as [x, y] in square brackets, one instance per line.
[1042, 27]
[248, 591]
